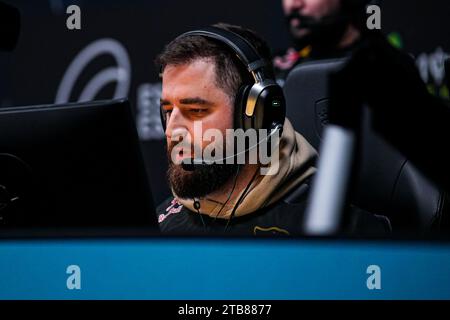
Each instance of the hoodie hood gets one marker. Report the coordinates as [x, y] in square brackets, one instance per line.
[295, 165]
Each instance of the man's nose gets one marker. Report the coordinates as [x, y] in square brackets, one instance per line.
[174, 122]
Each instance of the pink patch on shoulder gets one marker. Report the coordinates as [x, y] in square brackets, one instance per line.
[174, 207]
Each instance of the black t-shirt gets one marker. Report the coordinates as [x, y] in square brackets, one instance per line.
[293, 60]
[283, 218]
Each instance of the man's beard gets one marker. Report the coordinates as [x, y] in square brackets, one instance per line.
[323, 34]
[203, 180]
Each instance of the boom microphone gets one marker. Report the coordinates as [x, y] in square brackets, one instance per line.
[193, 164]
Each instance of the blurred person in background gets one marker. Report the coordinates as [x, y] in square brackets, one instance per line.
[319, 29]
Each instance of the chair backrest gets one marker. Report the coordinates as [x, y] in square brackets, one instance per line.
[386, 182]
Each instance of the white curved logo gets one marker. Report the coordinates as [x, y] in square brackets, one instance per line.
[120, 74]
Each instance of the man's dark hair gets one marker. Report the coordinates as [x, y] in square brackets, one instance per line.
[230, 72]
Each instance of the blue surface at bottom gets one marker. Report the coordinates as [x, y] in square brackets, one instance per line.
[223, 269]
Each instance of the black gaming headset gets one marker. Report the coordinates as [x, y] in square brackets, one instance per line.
[258, 105]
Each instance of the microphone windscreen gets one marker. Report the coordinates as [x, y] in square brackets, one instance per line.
[187, 165]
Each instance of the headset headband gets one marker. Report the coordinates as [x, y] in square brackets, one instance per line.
[243, 49]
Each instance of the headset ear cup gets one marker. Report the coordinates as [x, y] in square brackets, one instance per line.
[240, 103]
[258, 120]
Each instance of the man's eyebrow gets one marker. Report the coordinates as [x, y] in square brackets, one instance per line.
[196, 100]
[164, 102]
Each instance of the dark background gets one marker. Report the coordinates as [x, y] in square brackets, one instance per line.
[33, 72]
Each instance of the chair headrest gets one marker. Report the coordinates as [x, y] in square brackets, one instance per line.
[386, 182]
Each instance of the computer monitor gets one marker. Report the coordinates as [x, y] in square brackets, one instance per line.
[76, 165]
